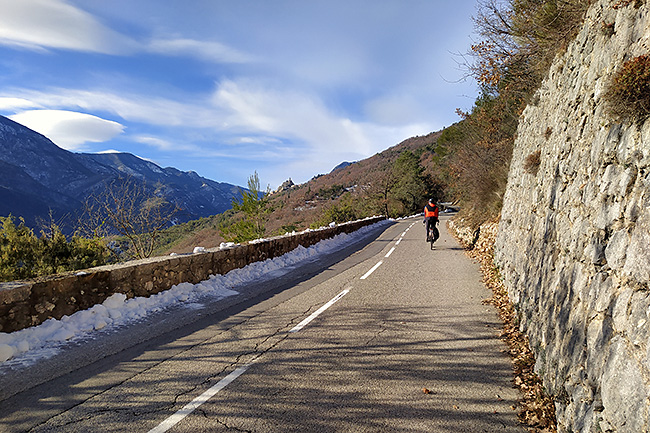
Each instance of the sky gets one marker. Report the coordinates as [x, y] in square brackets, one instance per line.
[226, 88]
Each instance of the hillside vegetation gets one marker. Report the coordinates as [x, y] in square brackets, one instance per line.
[466, 163]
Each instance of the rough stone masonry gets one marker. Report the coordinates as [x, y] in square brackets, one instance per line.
[574, 239]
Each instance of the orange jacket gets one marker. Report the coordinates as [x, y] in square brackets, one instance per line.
[431, 211]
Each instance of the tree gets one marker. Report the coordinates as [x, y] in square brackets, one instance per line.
[23, 255]
[128, 208]
[17, 250]
[412, 185]
[253, 209]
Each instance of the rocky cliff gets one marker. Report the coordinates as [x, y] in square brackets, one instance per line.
[574, 238]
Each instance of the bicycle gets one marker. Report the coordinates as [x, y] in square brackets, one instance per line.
[433, 234]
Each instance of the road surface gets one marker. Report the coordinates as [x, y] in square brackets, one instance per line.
[385, 336]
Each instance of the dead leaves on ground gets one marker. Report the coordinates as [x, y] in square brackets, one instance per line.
[536, 410]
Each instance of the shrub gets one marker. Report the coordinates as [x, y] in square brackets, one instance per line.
[23, 255]
[532, 163]
[628, 93]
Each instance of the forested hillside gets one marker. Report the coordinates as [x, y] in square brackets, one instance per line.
[467, 163]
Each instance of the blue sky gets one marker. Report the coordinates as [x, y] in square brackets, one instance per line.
[287, 88]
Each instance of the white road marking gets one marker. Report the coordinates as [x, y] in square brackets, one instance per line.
[198, 401]
[373, 269]
[316, 313]
[207, 395]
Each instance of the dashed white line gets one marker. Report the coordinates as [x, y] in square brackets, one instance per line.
[373, 269]
[316, 313]
[198, 401]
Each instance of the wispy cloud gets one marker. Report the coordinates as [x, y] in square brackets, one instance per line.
[56, 24]
[301, 117]
[153, 110]
[13, 104]
[69, 130]
[209, 51]
[45, 24]
[242, 119]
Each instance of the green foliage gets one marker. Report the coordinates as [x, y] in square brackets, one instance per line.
[17, 247]
[412, 186]
[331, 193]
[254, 210]
[23, 255]
[287, 228]
[628, 93]
[347, 209]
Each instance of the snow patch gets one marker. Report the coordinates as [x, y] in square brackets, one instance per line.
[27, 346]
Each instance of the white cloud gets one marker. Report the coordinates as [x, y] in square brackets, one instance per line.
[13, 104]
[395, 109]
[164, 144]
[209, 51]
[154, 142]
[302, 116]
[134, 107]
[42, 24]
[305, 117]
[243, 119]
[320, 138]
[69, 129]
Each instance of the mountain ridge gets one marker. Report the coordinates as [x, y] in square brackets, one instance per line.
[39, 178]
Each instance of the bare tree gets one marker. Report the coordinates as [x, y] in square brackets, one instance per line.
[127, 207]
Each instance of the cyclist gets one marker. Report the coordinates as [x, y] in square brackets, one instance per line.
[431, 219]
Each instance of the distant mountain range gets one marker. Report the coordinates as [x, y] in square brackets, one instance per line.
[38, 177]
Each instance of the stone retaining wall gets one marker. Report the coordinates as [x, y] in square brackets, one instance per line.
[29, 303]
[574, 239]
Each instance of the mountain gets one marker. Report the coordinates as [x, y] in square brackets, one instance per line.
[296, 207]
[341, 165]
[38, 177]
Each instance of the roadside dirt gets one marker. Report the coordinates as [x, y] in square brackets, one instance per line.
[536, 409]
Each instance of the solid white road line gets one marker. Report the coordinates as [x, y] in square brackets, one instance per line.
[373, 269]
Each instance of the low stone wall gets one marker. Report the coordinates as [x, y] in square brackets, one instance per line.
[29, 303]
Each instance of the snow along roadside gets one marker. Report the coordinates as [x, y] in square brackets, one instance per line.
[28, 345]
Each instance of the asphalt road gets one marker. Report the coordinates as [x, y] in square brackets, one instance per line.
[346, 344]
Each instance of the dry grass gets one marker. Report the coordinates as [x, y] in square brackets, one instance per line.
[532, 162]
[628, 93]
